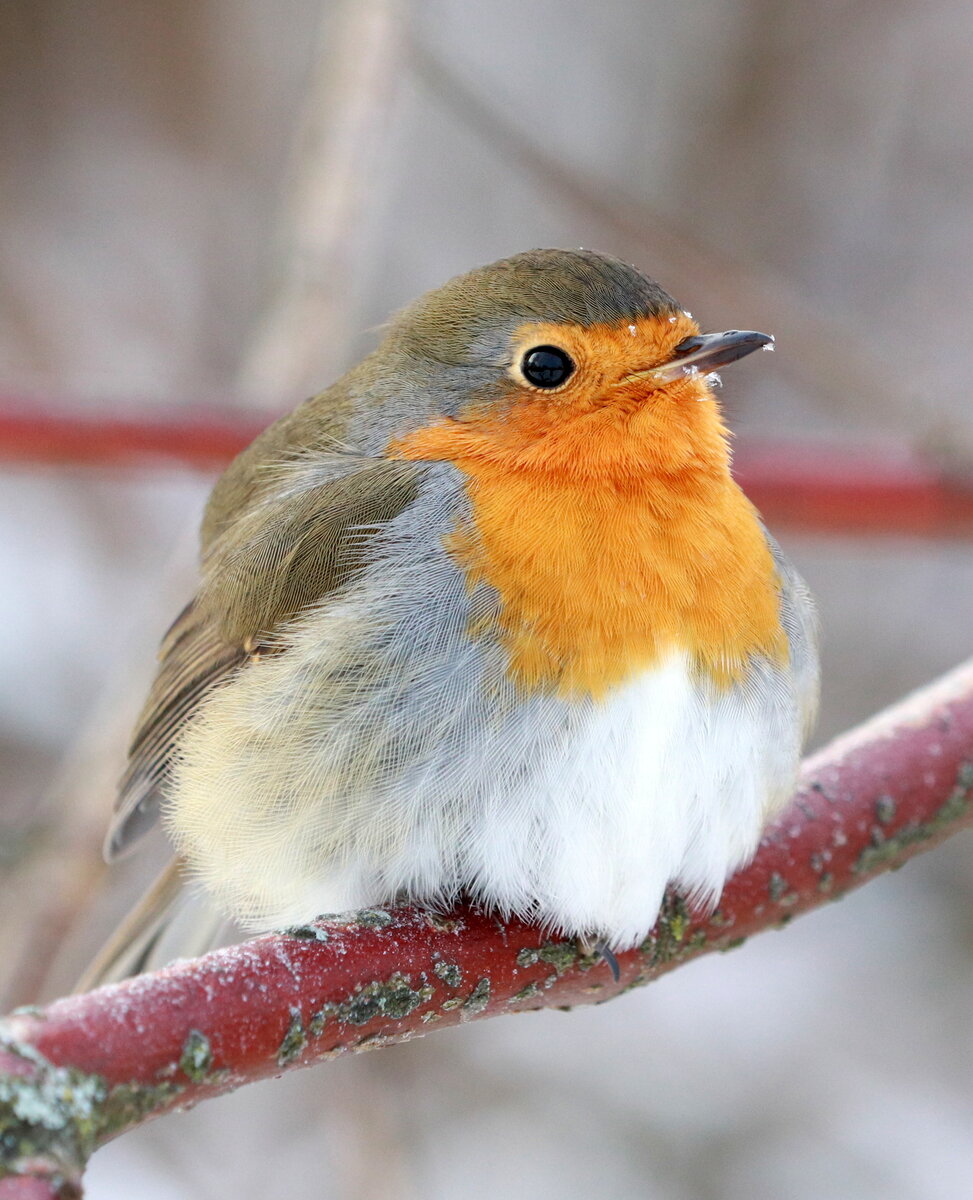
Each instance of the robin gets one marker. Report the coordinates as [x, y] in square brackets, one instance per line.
[487, 618]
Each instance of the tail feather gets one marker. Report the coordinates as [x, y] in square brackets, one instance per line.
[168, 922]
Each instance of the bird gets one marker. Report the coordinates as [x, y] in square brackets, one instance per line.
[488, 619]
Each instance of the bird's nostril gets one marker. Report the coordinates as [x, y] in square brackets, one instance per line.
[687, 346]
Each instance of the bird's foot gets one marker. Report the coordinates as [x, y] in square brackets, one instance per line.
[600, 949]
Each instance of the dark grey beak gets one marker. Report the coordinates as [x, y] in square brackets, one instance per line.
[709, 352]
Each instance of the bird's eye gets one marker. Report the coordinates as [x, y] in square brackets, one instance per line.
[546, 366]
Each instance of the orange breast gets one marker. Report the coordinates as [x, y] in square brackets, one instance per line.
[612, 542]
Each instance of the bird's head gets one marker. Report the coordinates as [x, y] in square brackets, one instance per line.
[565, 360]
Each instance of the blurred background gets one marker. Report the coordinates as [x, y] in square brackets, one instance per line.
[209, 206]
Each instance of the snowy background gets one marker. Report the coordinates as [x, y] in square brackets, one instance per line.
[214, 202]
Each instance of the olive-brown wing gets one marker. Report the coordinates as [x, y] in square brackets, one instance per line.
[294, 547]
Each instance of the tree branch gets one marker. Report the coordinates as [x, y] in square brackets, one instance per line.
[88, 1067]
[820, 489]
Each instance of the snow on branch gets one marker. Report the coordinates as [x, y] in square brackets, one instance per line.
[88, 1067]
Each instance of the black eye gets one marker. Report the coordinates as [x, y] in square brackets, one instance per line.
[546, 366]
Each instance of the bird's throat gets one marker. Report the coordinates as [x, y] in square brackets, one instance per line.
[604, 575]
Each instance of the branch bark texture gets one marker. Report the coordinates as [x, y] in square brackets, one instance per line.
[88, 1067]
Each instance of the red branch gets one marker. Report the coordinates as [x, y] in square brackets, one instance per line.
[800, 487]
[36, 1187]
[854, 491]
[898, 785]
[205, 441]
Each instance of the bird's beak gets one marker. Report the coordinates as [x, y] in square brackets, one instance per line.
[705, 353]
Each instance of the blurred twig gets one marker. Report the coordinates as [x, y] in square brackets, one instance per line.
[333, 197]
[31, 432]
[56, 887]
[797, 485]
[108, 1060]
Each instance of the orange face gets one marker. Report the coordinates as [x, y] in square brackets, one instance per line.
[605, 516]
[604, 356]
[608, 417]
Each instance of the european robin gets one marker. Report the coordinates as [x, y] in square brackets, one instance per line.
[487, 618]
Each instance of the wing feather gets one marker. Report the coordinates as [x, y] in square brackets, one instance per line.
[298, 541]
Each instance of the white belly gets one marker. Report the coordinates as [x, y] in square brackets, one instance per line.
[579, 823]
[660, 785]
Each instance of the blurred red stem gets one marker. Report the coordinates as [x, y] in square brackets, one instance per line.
[207, 441]
[37, 1187]
[796, 486]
